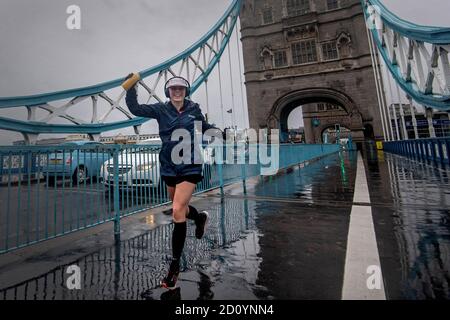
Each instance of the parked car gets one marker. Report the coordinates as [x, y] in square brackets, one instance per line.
[74, 162]
[139, 167]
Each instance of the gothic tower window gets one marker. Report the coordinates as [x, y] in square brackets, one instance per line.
[297, 7]
[267, 16]
[280, 59]
[329, 51]
[332, 4]
[304, 52]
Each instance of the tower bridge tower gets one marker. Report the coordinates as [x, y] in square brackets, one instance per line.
[309, 53]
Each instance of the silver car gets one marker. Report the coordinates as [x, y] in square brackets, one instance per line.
[137, 166]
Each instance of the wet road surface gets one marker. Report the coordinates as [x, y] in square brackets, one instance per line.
[286, 239]
[411, 210]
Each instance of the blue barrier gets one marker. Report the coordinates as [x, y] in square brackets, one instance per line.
[50, 191]
[436, 150]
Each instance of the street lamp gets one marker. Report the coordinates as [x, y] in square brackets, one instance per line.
[337, 128]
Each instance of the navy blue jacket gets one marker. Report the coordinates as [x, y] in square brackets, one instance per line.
[169, 119]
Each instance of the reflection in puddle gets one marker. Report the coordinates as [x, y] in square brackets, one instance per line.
[223, 265]
[422, 225]
[420, 197]
[328, 178]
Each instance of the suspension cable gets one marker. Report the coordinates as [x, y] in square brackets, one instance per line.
[245, 112]
[388, 76]
[377, 83]
[206, 88]
[232, 89]
[220, 90]
[402, 113]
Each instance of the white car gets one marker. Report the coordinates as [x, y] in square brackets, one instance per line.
[139, 167]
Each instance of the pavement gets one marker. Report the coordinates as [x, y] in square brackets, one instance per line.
[346, 226]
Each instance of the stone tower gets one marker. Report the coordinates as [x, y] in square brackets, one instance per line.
[306, 52]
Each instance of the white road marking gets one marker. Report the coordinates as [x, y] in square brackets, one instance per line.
[361, 194]
[362, 256]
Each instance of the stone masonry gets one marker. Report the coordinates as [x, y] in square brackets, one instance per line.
[299, 52]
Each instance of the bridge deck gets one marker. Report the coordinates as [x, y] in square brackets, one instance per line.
[299, 235]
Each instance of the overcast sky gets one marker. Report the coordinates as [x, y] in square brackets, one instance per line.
[39, 54]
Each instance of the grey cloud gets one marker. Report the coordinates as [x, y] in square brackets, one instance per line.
[38, 54]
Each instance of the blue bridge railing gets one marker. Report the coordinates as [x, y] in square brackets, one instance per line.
[436, 150]
[47, 192]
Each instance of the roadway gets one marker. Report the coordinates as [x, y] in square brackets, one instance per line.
[309, 233]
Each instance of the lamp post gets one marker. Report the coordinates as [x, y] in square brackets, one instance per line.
[337, 127]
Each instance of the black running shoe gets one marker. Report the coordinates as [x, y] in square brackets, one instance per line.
[170, 281]
[174, 294]
[200, 224]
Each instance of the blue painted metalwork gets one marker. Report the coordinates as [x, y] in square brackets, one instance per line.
[231, 13]
[38, 127]
[116, 194]
[428, 34]
[436, 150]
[438, 102]
[415, 35]
[38, 207]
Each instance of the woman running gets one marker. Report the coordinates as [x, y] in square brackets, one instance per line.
[181, 179]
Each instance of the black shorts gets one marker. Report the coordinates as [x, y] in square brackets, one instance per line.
[173, 181]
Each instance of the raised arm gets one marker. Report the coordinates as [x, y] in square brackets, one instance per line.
[141, 110]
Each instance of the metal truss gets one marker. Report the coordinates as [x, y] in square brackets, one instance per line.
[195, 64]
[416, 56]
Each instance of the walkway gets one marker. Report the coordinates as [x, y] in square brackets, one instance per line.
[302, 234]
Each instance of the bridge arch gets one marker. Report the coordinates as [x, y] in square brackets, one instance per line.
[344, 133]
[277, 118]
